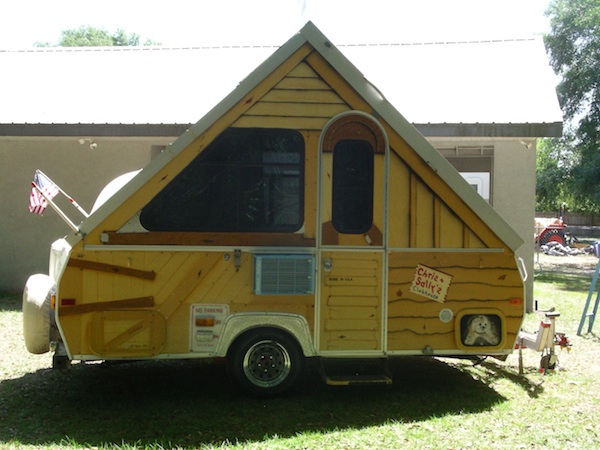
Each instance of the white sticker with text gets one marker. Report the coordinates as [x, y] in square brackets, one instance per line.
[431, 283]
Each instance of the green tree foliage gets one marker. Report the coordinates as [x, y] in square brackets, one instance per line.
[87, 36]
[553, 172]
[573, 45]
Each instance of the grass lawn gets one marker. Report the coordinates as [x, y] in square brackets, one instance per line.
[436, 404]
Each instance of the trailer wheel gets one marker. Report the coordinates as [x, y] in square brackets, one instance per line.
[553, 236]
[265, 362]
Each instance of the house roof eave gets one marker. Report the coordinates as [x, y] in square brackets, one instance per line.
[504, 130]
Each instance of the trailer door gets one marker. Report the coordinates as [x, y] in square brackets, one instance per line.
[352, 192]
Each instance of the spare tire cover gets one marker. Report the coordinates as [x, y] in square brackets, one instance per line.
[36, 313]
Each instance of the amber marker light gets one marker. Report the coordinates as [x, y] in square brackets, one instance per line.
[205, 321]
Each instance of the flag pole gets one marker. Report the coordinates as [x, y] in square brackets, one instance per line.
[62, 215]
[71, 199]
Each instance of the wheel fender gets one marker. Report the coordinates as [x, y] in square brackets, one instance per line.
[237, 324]
[36, 313]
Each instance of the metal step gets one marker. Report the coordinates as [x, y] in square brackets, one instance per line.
[352, 372]
[355, 380]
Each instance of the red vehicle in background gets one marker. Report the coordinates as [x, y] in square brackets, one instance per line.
[552, 229]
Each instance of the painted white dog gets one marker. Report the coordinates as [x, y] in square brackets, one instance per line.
[481, 331]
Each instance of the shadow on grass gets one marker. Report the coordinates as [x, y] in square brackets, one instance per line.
[565, 281]
[10, 301]
[590, 336]
[496, 372]
[188, 404]
[488, 371]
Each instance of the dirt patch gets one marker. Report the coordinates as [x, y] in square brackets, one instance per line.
[584, 265]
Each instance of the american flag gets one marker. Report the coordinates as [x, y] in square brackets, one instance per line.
[37, 202]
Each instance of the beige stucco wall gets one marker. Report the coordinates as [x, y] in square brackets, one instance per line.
[513, 189]
[82, 172]
[514, 197]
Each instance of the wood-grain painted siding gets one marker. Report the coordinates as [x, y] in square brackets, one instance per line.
[420, 219]
[301, 100]
[350, 306]
[182, 278]
[482, 282]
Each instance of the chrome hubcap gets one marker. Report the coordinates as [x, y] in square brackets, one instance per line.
[267, 363]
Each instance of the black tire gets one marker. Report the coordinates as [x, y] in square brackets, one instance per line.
[553, 236]
[265, 362]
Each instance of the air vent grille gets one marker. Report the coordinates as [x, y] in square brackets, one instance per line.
[284, 274]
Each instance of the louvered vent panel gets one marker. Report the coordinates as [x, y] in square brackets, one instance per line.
[466, 151]
[284, 274]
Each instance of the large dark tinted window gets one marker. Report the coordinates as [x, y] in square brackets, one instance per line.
[352, 186]
[246, 180]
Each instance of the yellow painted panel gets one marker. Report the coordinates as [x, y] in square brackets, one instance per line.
[362, 300]
[303, 96]
[352, 299]
[298, 123]
[351, 312]
[355, 335]
[429, 308]
[419, 325]
[296, 110]
[171, 275]
[469, 291]
[494, 276]
[349, 343]
[227, 284]
[424, 220]
[326, 187]
[408, 307]
[313, 84]
[351, 324]
[478, 260]
[450, 229]
[409, 340]
[182, 278]
[303, 70]
[339, 84]
[353, 240]
[345, 260]
[127, 333]
[379, 192]
[352, 291]
[442, 190]
[311, 172]
[481, 282]
[399, 203]
[473, 240]
[74, 328]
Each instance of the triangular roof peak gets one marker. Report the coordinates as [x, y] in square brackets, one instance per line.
[380, 108]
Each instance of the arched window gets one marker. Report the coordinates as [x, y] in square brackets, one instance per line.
[354, 139]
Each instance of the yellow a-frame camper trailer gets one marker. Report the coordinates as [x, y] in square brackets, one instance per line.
[302, 217]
